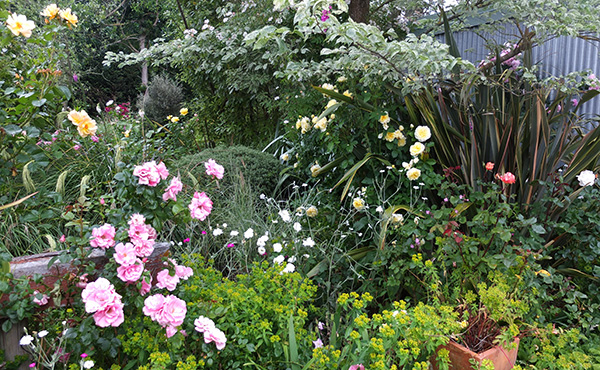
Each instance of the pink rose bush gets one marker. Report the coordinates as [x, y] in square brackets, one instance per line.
[211, 333]
[169, 312]
[104, 236]
[142, 236]
[151, 173]
[201, 206]
[101, 299]
[214, 169]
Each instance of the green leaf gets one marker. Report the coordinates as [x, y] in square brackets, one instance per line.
[293, 345]
[6, 326]
[538, 229]
[38, 103]
[12, 129]
[65, 90]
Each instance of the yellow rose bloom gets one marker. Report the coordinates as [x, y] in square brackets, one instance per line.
[347, 93]
[328, 86]
[51, 11]
[312, 211]
[174, 119]
[183, 111]
[70, 18]
[321, 124]
[422, 133]
[384, 119]
[331, 103]
[413, 174]
[359, 204]
[85, 125]
[342, 79]
[305, 125]
[18, 24]
[389, 136]
[416, 149]
[314, 169]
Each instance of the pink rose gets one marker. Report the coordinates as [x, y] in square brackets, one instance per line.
[131, 273]
[357, 367]
[104, 236]
[174, 310]
[142, 237]
[171, 330]
[489, 166]
[62, 238]
[165, 280]
[148, 174]
[42, 301]
[201, 206]
[217, 336]
[507, 178]
[153, 305]
[203, 324]
[213, 169]
[162, 171]
[146, 285]
[183, 272]
[136, 219]
[173, 189]
[99, 295]
[111, 316]
[125, 254]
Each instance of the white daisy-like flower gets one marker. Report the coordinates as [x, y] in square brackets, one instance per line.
[43, 333]
[285, 215]
[217, 232]
[88, 364]
[277, 247]
[297, 226]
[249, 233]
[308, 242]
[234, 233]
[262, 251]
[279, 259]
[26, 340]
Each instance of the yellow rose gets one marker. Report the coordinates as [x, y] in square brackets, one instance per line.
[71, 19]
[342, 79]
[347, 93]
[416, 149]
[174, 119]
[359, 204]
[321, 124]
[85, 125]
[51, 11]
[331, 103]
[389, 136]
[312, 211]
[422, 133]
[413, 174]
[183, 111]
[314, 169]
[18, 24]
[384, 119]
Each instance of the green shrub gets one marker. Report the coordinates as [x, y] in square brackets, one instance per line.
[242, 165]
[164, 98]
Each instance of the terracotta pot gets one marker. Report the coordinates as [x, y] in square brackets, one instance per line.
[460, 356]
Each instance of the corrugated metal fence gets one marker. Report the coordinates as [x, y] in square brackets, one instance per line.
[557, 56]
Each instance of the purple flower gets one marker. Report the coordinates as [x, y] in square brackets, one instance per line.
[230, 245]
[318, 343]
[186, 240]
[75, 78]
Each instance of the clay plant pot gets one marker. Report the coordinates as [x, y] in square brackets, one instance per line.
[460, 356]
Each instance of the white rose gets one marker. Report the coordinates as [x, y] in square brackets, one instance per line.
[586, 178]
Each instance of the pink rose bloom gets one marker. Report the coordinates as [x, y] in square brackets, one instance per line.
[507, 178]
[42, 301]
[99, 295]
[357, 367]
[183, 272]
[162, 171]
[104, 236]
[125, 254]
[136, 219]
[213, 169]
[153, 306]
[148, 174]
[146, 285]
[173, 189]
[111, 316]
[217, 336]
[171, 330]
[174, 310]
[203, 324]
[165, 280]
[142, 237]
[62, 238]
[131, 273]
[201, 206]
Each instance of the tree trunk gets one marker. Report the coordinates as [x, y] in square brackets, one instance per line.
[359, 10]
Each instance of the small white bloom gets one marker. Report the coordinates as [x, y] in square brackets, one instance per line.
[43, 333]
[217, 232]
[289, 268]
[249, 233]
[292, 259]
[379, 209]
[263, 197]
[109, 103]
[279, 259]
[277, 247]
[297, 226]
[224, 226]
[262, 251]
[285, 157]
[285, 215]
[308, 242]
[586, 178]
[88, 364]
[26, 340]
[234, 233]
[262, 241]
